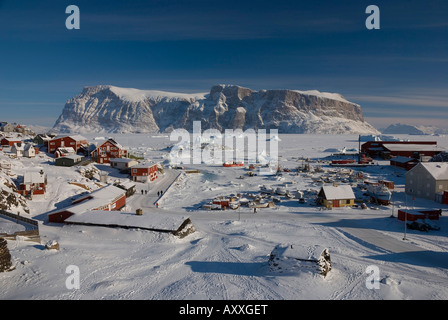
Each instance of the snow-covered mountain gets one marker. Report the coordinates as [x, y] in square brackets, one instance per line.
[112, 109]
[400, 128]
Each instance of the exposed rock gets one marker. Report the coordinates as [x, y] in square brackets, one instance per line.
[112, 109]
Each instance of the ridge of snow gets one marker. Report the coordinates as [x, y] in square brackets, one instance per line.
[137, 95]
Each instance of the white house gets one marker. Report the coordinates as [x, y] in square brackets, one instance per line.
[427, 179]
[29, 151]
[18, 149]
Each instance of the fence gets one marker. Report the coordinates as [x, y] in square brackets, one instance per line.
[32, 227]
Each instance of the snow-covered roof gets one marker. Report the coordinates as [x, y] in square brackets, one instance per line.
[66, 150]
[113, 141]
[122, 160]
[144, 165]
[401, 159]
[412, 147]
[28, 146]
[33, 177]
[78, 137]
[160, 220]
[439, 170]
[71, 156]
[338, 192]
[98, 198]
[18, 146]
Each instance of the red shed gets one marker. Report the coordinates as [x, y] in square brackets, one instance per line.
[412, 215]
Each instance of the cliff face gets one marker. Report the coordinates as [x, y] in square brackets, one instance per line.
[113, 109]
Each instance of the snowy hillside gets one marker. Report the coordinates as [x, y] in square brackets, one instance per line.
[110, 109]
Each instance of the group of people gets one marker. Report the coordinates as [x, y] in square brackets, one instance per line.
[159, 193]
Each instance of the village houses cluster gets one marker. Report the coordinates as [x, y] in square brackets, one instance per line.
[72, 150]
[425, 164]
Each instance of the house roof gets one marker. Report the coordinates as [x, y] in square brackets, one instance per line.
[439, 170]
[66, 150]
[33, 177]
[78, 137]
[18, 146]
[75, 137]
[338, 192]
[162, 220]
[97, 199]
[70, 156]
[113, 141]
[412, 147]
[123, 160]
[28, 146]
[402, 159]
[144, 165]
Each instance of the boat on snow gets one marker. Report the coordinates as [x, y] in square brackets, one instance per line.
[379, 192]
[233, 164]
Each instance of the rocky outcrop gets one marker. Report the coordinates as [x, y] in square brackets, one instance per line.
[113, 109]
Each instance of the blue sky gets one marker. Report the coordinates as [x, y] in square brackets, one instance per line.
[397, 74]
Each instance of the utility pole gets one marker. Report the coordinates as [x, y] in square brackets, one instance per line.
[405, 223]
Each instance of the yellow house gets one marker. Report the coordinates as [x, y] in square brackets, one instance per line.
[336, 196]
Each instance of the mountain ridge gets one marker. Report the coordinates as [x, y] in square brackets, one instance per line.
[111, 109]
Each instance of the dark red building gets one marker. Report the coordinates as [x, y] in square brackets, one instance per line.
[76, 142]
[411, 149]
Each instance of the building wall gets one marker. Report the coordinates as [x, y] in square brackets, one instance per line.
[338, 203]
[144, 174]
[106, 151]
[59, 217]
[54, 144]
[420, 183]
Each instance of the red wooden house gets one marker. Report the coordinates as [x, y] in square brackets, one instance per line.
[145, 172]
[76, 142]
[110, 149]
[33, 184]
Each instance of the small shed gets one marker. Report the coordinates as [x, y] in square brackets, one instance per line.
[128, 186]
[413, 215]
[336, 196]
[68, 161]
[406, 163]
